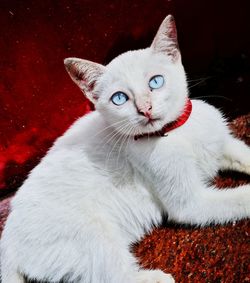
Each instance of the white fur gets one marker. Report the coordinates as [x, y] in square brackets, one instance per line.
[98, 190]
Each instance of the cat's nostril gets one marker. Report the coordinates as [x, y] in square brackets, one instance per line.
[141, 113]
[145, 112]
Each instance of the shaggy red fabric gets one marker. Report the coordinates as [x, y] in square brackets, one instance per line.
[216, 254]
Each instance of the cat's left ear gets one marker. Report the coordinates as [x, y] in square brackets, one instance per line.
[85, 74]
[165, 40]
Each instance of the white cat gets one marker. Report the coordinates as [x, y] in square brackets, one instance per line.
[112, 175]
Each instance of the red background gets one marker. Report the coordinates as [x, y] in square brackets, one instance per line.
[38, 101]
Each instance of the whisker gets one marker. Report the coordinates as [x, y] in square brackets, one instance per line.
[114, 146]
[112, 137]
[191, 86]
[200, 79]
[129, 140]
[121, 144]
[125, 140]
[217, 96]
[110, 126]
[114, 132]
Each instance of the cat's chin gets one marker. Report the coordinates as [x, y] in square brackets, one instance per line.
[145, 127]
[152, 122]
[151, 127]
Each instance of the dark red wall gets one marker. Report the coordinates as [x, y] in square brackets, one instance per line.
[38, 101]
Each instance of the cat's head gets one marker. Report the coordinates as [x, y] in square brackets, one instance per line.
[139, 91]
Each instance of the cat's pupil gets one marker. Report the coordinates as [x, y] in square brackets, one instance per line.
[119, 98]
[156, 82]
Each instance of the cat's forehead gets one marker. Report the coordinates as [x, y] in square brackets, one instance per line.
[136, 63]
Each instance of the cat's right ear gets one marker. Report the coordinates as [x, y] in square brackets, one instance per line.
[165, 41]
[85, 74]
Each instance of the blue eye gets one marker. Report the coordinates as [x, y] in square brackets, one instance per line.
[119, 98]
[156, 82]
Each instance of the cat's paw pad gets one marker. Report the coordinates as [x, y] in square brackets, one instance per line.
[154, 276]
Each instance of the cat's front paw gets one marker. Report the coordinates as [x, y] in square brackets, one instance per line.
[154, 276]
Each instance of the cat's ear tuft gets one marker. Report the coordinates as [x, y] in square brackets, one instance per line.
[85, 74]
[165, 40]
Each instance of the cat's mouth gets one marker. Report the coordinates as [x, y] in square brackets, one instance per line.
[151, 125]
[152, 121]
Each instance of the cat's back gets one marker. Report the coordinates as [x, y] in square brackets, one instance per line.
[82, 132]
[206, 115]
[206, 125]
[205, 129]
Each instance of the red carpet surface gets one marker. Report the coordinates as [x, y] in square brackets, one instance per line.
[216, 254]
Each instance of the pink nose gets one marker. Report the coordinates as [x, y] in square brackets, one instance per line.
[146, 112]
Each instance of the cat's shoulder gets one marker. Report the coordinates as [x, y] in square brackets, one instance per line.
[204, 109]
[81, 130]
[207, 118]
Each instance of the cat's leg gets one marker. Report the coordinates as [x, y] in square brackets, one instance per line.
[97, 259]
[154, 276]
[176, 179]
[236, 156]
[9, 274]
[211, 205]
[189, 200]
[9, 271]
[112, 262]
[94, 255]
[119, 265]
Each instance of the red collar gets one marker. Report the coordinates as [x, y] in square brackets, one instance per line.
[172, 125]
